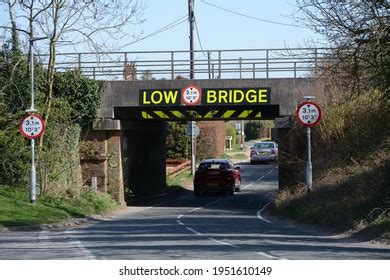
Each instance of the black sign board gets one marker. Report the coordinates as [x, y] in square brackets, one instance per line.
[186, 113]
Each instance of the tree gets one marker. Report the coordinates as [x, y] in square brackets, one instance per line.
[65, 23]
[177, 141]
[359, 33]
[147, 76]
[252, 130]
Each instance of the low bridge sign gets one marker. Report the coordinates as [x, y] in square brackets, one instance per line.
[195, 103]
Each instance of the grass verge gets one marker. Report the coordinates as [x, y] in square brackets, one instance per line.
[17, 211]
[353, 199]
[234, 156]
[180, 182]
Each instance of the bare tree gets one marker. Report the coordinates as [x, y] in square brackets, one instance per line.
[359, 30]
[93, 24]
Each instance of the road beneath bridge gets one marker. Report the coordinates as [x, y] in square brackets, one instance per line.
[185, 227]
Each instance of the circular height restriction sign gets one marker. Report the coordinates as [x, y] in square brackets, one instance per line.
[32, 126]
[191, 95]
[308, 113]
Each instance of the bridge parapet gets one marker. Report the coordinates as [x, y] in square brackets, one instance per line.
[209, 64]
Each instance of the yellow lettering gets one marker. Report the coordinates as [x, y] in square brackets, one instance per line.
[170, 96]
[159, 97]
[144, 100]
[263, 96]
[251, 96]
[223, 96]
[211, 96]
[236, 98]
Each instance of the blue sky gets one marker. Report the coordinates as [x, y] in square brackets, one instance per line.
[218, 29]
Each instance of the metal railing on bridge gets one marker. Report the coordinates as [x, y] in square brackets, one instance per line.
[208, 64]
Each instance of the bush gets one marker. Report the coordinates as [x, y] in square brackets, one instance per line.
[177, 141]
[252, 130]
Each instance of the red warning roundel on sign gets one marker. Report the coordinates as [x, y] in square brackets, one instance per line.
[191, 95]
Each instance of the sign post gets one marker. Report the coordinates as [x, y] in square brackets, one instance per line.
[309, 115]
[32, 127]
[192, 130]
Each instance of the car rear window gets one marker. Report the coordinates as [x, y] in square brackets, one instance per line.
[212, 166]
[265, 146]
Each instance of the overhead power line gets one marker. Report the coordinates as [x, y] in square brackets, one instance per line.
[251, 17]
[162, 29]
[197, 35]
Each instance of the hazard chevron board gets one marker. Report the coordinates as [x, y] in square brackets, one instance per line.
[188, 113]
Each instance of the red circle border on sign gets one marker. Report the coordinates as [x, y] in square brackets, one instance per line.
[319, 113]
[29, 136]
[189, 103]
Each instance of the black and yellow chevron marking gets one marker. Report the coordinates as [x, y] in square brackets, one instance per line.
[185, 113]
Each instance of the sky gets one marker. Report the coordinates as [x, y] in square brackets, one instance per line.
[217, 28]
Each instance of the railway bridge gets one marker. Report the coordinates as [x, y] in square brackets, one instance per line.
[144, 90]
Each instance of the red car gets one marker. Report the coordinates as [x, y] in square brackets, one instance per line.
[217, 175]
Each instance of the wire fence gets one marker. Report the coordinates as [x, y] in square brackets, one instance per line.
[208, 64]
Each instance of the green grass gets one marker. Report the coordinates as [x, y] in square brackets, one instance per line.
[234, 156]
[17, 211]
[180, 181]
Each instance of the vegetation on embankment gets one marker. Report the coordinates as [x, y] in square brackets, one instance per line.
[351, 172]
[17, 211]
[180, 182]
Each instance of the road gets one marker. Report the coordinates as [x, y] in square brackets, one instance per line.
[185, 227]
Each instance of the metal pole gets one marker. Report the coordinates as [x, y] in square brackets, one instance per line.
[33, 179]
[32, 110]
[191, 19]
[242, 135]
[193, 147]
[209, 63]
[172, 66]
[309, 167]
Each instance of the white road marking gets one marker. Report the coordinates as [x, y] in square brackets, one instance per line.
[211, 203]
[75, 242]
[224, 243]
[194, 231]
[270, 256]
[44, 236]
[262, 177]
[247, 186]
[258, 214]
[195, 209]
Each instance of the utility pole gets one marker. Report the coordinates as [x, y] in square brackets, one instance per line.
[191, 20]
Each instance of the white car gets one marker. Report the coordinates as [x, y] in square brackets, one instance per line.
[264, 151]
